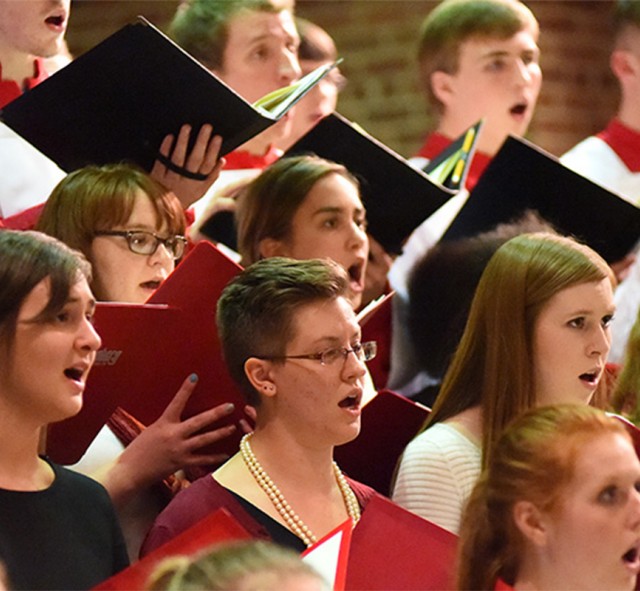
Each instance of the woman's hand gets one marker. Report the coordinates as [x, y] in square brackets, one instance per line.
[189, 176]
[166, 446]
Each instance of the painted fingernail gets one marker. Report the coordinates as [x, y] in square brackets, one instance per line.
[193, 378]
[229, 408]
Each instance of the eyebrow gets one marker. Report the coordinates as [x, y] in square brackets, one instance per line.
[504, 53]
[333, 209]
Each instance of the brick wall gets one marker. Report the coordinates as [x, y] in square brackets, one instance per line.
[377, 38]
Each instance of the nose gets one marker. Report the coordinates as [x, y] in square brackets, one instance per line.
[357, 237]
[353, 368]
[524, 72]
[162, 256]
[634, 510]
[601, 342]
[88, 337]
[288, 67]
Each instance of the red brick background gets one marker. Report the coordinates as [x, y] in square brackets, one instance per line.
[377, 39]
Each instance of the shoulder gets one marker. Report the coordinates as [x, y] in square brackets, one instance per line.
[363, 492]
[188, 507]
[438, 457]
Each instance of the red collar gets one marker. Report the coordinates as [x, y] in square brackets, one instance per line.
[10, 89]
[436, 143]
[624, 141]
[242, 160]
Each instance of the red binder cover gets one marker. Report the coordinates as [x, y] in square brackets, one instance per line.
[389, 423]
[217, 527]
[375, 322]
[392, 548]
[148, 350]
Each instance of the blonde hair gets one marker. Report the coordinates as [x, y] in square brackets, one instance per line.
[241, 566]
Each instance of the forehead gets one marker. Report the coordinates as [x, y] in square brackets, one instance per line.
[248, 26]
[332, 190]
[608, 455]
[324, 320]
[590, 296]
[476, 48]
[143, 213]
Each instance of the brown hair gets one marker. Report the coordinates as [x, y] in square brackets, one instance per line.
[26, 258]
[266, 207]
[98, 198]
[492, 365]
[533, 460]
[200, 27]
[453, 22]
[255, 311]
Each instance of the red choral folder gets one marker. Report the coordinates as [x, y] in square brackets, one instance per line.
[392, 548]
[375, 322]
[218, 527]
[389, 423]
[148, 350]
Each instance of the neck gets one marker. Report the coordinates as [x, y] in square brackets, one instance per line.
[258, 145]
[20, 466]
[282, 455]
[629, 113]
[469, 422]
[16, 65]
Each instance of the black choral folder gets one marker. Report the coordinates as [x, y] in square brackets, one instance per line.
[119, 100]
[397, 196]
[522, 177]
[149, 349]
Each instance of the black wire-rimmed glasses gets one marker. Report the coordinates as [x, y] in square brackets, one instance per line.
[146, 243]
[363, 351]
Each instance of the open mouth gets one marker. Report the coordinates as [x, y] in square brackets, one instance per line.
[74, 373]
[151, 285]
[355, 275]
[56, 21]
[590, 378]
[351, 402]
[519, 109]
[632, 557]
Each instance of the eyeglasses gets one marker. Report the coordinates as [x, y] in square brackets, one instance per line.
[363, 351]
[146, 243]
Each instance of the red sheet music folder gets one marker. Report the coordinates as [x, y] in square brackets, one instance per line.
[389, 423]
[392, 548]
[216, 528]
[149, 349]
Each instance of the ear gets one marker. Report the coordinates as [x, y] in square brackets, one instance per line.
[270, 247]
[531, 522]
[441, 86]
[623, 64]
[258, 372]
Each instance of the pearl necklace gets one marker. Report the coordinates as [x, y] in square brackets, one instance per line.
[290, 517]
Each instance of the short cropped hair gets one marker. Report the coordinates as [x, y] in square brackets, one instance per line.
[200, 27]
[266, 207]
[97, 198]
[256, 310]
[453, 22]
[26, 258]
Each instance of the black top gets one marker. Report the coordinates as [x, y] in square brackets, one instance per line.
[278, 532]
[64, 537]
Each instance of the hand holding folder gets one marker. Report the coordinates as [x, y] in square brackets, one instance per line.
[147, 352]
[120, 100]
